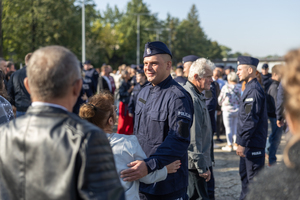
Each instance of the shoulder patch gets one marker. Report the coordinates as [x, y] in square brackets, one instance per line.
[184, 114]
[249, 100]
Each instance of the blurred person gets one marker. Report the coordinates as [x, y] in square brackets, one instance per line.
[141, 79]
[101, 112]
[275, 136]
[252, 128]
[6, 112]
[217, 77]
[91, 76]
[4, 70]
[105, 75]
[10, 67]
[187, 62]
[199, 150]
[229, 100]
[8, 75]
[111, 79]
[227, 70]
[179, 75]
[19, 96]
[132, 72]
[220, 68]
[164, 115]
[266, 77]
[279, 106]
[125, 122]
[66, 157]
[282, 181]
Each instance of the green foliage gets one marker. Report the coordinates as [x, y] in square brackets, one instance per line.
[111, 37]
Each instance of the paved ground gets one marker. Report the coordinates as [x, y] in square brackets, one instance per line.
[226, 171]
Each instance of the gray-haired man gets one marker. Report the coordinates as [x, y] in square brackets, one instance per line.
[199, 151]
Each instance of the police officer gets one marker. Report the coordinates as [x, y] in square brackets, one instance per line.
[163, 118]
[179, 75]
[266, 77]
[90, 76]
[141, 79]
[187, 62]
[252, 123]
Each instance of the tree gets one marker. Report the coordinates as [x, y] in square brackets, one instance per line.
[1, 36]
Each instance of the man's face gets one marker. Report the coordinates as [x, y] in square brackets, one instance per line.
[204, 82]
[220, 70]
[156, 68]
[3, 66]
[186, 68]
[227, 71]
[242, 72]
[216, 74]
[265, 71]
[86, 66]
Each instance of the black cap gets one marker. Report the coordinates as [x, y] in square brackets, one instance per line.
[87, 62]
[189, 58]
[247, 60]
[220, 66]
[265, 66]
[180, 67]
[157, 47]
[228, 67]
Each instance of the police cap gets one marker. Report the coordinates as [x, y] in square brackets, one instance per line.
[189, 58]
[228, 67]
[265, 66]
[133, 66]
[247, 60]
[87, 62]
[180, 67]
[157, 47]
[220, 66]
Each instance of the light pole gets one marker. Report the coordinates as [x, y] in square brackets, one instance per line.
[138, 37]
[158, 32]
[83, 31]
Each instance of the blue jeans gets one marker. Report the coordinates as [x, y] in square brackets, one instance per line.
[273, 140]
[20, 113]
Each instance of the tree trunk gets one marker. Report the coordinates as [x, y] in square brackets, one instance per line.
[1, 34]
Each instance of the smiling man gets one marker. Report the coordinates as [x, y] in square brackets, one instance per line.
[252, 126]
[163, 117]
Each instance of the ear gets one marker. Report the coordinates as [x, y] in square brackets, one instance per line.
[169, 65]
[77, 87]
[195, 76]
[111, 121]
[26, 85]
[250, 70]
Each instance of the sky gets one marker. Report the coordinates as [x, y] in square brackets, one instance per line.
[257, 27]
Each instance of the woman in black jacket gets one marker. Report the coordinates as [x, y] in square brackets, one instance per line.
[283, 181]
[125, 122]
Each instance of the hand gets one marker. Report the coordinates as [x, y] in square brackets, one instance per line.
[219, 112]
[137, 170]
[130, 114]
[172, 168]
[280, 123]
[206, 175]
[240, 151]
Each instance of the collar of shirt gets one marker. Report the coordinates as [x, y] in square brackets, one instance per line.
[196, 89]
[254, 80]
[39, 103]
[163, 83]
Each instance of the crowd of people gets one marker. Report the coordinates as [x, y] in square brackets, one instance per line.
[58, 141]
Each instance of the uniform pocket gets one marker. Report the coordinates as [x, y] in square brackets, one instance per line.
[156, 128]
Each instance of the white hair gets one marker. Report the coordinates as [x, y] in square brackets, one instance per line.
[200, 66]
[232, 77]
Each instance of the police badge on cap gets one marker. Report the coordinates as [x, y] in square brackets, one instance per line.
[157, 47]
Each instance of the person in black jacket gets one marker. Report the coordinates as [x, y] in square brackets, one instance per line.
[51, 153]
[275, 136]
[19, 97]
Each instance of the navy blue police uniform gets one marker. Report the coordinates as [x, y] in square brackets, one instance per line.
[252, 128]
[91, 78]
[189, 58]
[266, 79]
[180, 79]
[163, 118]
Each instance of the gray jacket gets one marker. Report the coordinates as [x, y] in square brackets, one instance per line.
[201, 132]
[50, 153]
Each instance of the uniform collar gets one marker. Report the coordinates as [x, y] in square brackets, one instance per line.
[252, 81]
[39, 103]
[164, 83]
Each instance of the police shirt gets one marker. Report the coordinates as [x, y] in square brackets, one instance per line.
[91, 78]
[133, 97]
[163, 118]
[252, 128]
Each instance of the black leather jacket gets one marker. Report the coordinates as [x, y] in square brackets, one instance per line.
[50, 153]
[19, 97]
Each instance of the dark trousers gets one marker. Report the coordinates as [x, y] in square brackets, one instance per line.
[249, 167]
[220, 126]
[178, 195]
[211, 185]
[197, 188]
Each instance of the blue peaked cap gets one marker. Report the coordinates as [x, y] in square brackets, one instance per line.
[157, 47]
[189, 58]
[265, 66]
[247, 60]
